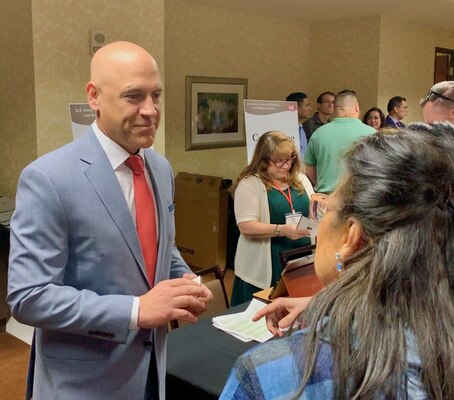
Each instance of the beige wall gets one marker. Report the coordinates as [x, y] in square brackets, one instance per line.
[202, 41]
[344, 55]
[52, 68]
[378, 57]
[62, 60]
[406, 65]
[17, 100]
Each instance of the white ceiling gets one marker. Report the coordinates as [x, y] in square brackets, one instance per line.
[437, 13]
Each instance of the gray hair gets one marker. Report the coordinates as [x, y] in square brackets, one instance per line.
[400, 188]
[438, 91]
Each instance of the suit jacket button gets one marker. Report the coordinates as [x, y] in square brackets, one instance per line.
[147, 344]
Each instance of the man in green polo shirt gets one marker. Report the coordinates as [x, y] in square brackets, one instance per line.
[324, 150]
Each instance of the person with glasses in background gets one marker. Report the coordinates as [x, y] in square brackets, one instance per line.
[269, 199]
[397, 110]
[438, 105]
[325, 107]
[382, 327]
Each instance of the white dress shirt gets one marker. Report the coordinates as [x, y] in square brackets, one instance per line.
[117, 157]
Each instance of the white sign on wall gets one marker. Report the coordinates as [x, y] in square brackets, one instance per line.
[82, 116]
[261, 116]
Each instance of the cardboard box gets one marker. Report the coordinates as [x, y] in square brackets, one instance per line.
[201, 208]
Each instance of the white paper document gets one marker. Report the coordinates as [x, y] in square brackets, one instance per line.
[241, 326]
[306, 224]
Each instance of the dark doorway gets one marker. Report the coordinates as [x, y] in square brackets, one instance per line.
[444, 65]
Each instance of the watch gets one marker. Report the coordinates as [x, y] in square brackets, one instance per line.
[277, 231]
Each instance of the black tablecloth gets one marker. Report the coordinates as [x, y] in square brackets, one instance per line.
[6, 211]
[199, 359]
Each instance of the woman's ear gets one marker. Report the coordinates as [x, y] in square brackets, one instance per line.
[451, 115]
[351, 239]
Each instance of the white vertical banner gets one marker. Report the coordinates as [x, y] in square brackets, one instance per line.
[82, 116]
[261, 116]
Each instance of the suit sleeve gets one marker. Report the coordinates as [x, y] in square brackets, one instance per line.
[178, 266]
[39, 258]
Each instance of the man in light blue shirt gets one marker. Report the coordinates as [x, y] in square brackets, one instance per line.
[304, 112]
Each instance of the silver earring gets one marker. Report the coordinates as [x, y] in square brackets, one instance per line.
[339, 264]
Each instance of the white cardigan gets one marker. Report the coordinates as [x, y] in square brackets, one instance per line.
[253, 255]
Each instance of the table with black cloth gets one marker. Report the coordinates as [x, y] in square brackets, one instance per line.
[199, 359]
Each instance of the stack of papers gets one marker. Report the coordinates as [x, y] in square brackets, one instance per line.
[241, 326]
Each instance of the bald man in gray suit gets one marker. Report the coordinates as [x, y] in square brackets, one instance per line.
[77, 271]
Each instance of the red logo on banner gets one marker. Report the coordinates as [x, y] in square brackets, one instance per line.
[291, 107]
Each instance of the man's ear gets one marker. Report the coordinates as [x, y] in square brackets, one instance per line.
[352, 238]
[92, 95]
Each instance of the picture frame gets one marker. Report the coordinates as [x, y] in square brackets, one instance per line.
[215, 112]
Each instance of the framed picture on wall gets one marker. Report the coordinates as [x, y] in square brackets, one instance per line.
[214, 112]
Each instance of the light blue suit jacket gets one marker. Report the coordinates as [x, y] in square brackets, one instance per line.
[75, 265]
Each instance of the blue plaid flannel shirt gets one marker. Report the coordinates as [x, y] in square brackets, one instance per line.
[274, 370]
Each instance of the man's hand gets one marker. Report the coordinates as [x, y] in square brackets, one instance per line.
[205, 299]
[282, 313]
[172, 299]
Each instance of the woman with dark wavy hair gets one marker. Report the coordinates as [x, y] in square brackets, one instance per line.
[375, 118]
[384, 325]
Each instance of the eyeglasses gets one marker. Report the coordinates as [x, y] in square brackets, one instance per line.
[281, 163]
[318, 206]
[432, 96]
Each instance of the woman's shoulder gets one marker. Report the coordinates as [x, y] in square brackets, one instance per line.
[252, 180]
[279, 366]
[307, 185]
[278, 348]
[285, 351]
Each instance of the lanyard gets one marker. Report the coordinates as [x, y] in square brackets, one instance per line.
[287, 197]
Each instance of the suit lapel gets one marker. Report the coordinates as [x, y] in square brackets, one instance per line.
[102, 177]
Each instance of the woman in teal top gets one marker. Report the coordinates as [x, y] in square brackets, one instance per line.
[269, 200]
[279, 206]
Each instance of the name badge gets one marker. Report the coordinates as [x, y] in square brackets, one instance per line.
[293, 218]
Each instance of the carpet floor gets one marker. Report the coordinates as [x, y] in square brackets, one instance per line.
[14, 363]
[14, 355]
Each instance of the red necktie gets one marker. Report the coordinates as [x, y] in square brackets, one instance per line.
[145, 215]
